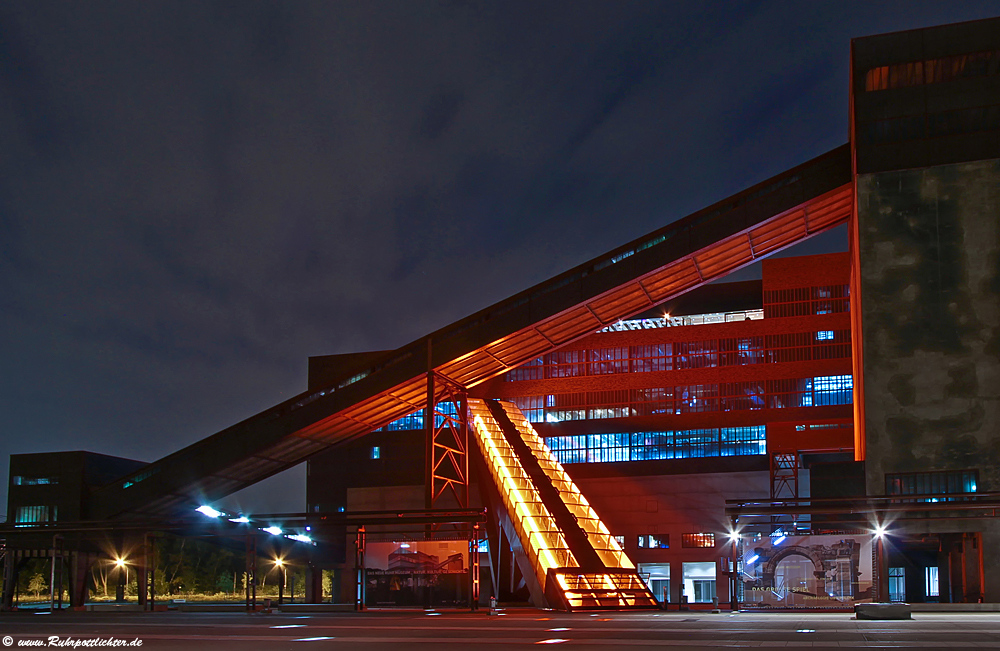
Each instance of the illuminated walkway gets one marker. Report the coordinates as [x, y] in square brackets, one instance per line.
[573, 557]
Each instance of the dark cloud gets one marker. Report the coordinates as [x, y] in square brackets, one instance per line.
[196, 196]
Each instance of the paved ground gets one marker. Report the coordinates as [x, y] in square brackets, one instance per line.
[514, 629]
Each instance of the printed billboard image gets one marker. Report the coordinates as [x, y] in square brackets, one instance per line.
[416, 573]
[806, 571]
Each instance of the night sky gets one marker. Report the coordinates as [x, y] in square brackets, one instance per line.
[197, 196]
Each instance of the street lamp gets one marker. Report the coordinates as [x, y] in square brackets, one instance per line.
[122, 567]
[280, 565]
[881, 580]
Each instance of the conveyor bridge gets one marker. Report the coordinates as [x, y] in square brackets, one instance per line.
[630, 279]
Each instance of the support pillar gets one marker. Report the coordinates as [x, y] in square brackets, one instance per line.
[314, 584]
[974, 580]
[956, 562]
[359, 568]
[55, 574]
[80, 563]
[880, 574]
[9, 579]
[251, 572]
[474, 568]
[142, 579]
[734, 576]
[150, 552]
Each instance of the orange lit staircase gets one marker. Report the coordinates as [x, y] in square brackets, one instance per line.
[575, 560]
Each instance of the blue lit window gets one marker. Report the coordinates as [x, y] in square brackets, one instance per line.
[648, 446]
[27, 515]
[931, 483]
[376, 452]
[833, 390]
[824, 335]
[653, 541]
[18, 480]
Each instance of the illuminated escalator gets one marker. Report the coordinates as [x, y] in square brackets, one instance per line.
[575, 560]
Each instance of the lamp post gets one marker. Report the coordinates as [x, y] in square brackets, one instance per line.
[880, 575]
[734, 604]
[280, 564]
[122, 568]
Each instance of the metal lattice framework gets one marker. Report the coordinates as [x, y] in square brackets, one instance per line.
[785, 475]
[447, 441]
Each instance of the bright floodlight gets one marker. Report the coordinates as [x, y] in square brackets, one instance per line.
[209, 511]
[274, 531]
[879, 531]
[240, 520]
[278, 562]
[120, 562]
[734, 535]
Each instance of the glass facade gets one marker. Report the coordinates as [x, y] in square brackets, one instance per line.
[668, 356]
[642, 446]
[699, 582]
[696, 398]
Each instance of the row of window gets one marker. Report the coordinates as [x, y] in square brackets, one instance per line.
[644, 446]
[415, 421]
[697, 398]
[668, 321]
[26, 515]
[697, 581]
[931, 483]
[22, 480]
[804, 301]
[688, 540]
[897, 583]
[931, 71]
[667, 356]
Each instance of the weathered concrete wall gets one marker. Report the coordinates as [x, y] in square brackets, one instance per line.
[929, 242]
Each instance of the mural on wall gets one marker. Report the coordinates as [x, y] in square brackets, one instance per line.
[807, 571]
[416, 573]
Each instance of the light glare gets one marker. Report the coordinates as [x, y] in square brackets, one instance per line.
[209, 511]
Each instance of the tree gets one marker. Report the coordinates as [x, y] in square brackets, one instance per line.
[37, 584]
[100, 572]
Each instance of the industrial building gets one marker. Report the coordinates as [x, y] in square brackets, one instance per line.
[639, 433]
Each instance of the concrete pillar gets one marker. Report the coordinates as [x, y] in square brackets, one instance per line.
[944, 574]
[990, 539]
[314, 584]
[955, 546]
[10, 563]
[973, 553]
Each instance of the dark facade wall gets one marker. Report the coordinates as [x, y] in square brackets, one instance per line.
[805, 271]
[929, 243]
[350, 465]
[844, 479]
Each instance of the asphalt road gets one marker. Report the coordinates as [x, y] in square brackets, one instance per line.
[514, 629]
